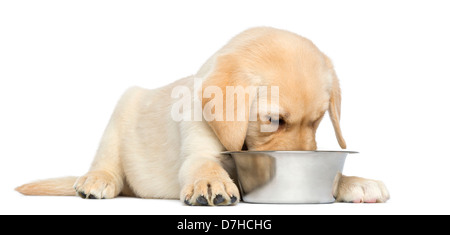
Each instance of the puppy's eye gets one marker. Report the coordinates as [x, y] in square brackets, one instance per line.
[279, 121]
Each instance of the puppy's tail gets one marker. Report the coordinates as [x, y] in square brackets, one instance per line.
[50, 187]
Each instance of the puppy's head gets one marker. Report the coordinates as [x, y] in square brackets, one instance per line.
[284, 66]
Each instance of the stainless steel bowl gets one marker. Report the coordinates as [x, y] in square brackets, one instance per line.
[288, 176]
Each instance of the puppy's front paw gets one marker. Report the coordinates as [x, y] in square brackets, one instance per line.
[210, 192]
[360, 190]
[96, 185]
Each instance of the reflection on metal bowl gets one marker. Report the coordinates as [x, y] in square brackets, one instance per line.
[288, 176]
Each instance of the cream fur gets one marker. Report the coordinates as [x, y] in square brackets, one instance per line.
[145, 153]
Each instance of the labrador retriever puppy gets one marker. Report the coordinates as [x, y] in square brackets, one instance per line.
[149, 152]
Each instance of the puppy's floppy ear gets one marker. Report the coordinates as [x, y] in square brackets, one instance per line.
[335, 112]
[335, 106]
[231, 131]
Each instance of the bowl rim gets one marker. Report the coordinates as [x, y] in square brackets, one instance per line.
[290, 151]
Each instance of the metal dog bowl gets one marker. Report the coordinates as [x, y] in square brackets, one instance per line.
[288, 176]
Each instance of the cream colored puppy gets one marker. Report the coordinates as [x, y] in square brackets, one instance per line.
[149, 152]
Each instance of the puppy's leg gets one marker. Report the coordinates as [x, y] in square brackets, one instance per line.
[105, 178]
[359, 190]
[205, 182]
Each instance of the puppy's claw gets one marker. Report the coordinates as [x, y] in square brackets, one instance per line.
[202, 201]
[218, 199]
[82, 195]
[233, 199]
[186, 201]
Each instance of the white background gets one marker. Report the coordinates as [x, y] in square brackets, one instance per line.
[64, 64]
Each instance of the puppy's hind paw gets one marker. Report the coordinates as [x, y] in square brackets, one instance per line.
[360, 190]
[97, 185]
